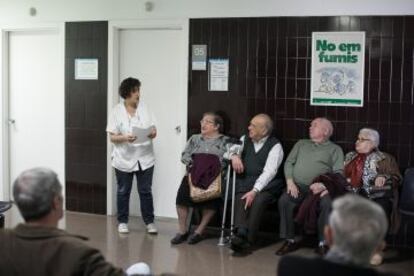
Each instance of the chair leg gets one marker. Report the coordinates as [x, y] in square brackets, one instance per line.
[405, 234]
[1, 221]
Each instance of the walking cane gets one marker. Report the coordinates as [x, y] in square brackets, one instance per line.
[226, 196]
[233, 199]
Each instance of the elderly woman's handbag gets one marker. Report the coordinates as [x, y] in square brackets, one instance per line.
[212, 192]
[204, 177]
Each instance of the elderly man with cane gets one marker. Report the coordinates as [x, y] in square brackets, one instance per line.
[256, 166]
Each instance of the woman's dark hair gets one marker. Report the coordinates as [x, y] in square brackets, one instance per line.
[127, 86]
[218, 120]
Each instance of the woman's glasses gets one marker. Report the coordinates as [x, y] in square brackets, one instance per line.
[359, 139]
[207, 122]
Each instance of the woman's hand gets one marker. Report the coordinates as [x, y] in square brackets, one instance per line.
[122, 138]
[380, 181]
[153, 133]
[129, 138]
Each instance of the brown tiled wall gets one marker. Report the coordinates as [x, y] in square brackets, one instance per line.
[270, 61]
[85, 119]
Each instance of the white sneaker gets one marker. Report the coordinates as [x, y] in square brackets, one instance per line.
[139, 269]
[151, 229]
[123, 228]
[376, 259]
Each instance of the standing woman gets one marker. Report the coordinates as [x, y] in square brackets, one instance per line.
[130, 156]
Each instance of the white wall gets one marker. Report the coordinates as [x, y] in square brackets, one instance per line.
[75, 10]
[4, 187]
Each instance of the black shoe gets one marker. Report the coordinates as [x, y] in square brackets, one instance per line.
[321, 250]
[239, 243]
[287, 247]
[195, 238]
[179, 238]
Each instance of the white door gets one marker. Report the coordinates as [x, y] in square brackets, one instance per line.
[156, 58]
[36, 101]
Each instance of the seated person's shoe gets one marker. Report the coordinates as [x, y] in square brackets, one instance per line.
[376, 259]
[239, 243]
[287, 247]
[195, 238]
[179, 238]
[322, 250]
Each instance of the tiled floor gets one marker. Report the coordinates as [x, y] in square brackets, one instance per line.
[205, 258]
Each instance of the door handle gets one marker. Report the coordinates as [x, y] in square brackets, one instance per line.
[11, 121]
[178, 129]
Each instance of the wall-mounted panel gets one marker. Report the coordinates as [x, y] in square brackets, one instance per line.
[85, 118]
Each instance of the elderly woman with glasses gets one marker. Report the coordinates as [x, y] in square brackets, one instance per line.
[200, 148]
[375, 175]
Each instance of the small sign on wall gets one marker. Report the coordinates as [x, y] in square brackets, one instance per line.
[199, 58]
[218, 75]
[86, 69]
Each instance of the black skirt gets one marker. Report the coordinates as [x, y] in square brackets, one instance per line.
[184, 199]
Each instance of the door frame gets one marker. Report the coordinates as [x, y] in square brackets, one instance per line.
[114, 27]
[5, 30]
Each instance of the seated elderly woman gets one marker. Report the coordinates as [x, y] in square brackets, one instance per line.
[375, 175]
[197, 156]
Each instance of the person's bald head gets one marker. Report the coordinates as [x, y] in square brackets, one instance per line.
[260, 126]
[320, 130]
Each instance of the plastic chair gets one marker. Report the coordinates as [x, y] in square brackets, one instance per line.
[4, 206]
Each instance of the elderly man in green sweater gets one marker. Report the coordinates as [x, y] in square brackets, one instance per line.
[308, 159]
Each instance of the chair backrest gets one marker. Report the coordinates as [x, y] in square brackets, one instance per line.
[4, 206]
[407, 193]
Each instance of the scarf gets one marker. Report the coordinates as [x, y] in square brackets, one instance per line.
[355, 169]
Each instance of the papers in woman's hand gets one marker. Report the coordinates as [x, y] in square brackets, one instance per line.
[141, 134]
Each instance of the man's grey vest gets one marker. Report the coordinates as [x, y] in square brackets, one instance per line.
[253, 163]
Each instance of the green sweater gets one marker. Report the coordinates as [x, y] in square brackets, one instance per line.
[308, 160]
